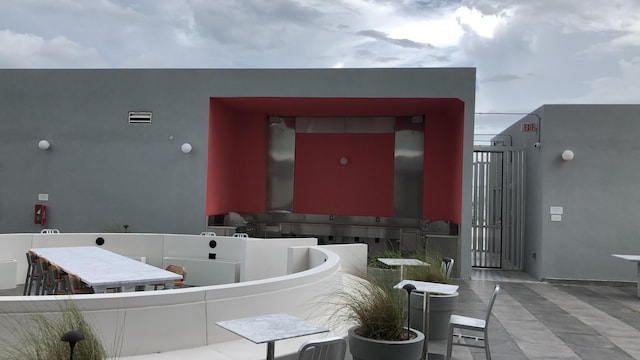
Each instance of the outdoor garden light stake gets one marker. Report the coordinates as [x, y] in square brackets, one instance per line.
[72, 337]
[409, 288]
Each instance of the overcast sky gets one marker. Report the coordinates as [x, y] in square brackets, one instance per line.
[527, 52]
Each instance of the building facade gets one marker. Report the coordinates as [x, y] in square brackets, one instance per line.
[174, 150]
[582, 198]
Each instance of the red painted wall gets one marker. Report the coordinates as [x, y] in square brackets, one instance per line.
[237, 170]
[238, 154]
[443, 150]
[363, 187]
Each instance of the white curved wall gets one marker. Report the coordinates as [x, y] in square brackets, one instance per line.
[161, 321]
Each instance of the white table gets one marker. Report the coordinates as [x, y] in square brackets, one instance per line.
[427, 288]
[635, 258]
[102, 269]
[270, 328]
[402, 263]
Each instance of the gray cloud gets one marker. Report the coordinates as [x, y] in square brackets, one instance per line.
[543, 51]
[378, 35]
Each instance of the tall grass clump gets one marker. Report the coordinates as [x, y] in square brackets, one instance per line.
[375, 307]
[37, 337]
[430, 273]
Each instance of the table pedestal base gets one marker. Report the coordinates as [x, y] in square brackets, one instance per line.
[271, 347]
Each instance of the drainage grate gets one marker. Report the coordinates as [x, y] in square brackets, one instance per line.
[140, 117]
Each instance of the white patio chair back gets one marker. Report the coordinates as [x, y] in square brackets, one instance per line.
[447, 266]
[241, 235]
[472, 324]
[49, 231]
[208, 233]
[332, 348]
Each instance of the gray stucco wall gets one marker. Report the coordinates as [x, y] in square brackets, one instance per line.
[102, 172]
[598, 191]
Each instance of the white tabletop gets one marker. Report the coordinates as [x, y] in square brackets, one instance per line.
[272, 327]
[402, 262]
[99, 268]
[432, 288]
[628, 257]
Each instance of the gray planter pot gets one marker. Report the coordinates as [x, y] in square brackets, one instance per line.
[363, 348]
[440, 310]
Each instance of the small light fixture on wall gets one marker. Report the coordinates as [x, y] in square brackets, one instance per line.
[344, 160]
[44, 145]
[186, 148]
[567, 155]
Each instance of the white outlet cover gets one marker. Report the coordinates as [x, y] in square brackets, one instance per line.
[557, 210]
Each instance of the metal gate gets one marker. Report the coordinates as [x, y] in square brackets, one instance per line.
[497, 239]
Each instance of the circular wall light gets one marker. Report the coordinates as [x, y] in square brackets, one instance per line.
[344, 160]
[186, 148]
[567, 155]
[44, 145]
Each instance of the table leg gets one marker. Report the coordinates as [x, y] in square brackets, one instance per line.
[425, 325]
[271, 345]
[638, 279]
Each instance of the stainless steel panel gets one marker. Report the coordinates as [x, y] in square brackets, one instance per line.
[320, 125]
[369, 125]
[280, 164]
[408, 174]
[343, 125]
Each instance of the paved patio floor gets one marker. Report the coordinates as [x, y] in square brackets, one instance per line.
[540, 320]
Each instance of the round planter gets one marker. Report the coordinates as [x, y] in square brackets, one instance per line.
[441, 308]
[363, 348]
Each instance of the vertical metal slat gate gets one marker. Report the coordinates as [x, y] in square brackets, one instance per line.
[497, 239]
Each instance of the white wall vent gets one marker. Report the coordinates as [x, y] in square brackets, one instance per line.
[140, 117]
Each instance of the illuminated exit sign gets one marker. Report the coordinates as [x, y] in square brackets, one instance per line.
[529, 127]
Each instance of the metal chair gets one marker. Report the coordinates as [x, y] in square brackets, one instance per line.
[49, 231]
[473, 324]
[180, 270]
[332, 348]
[447, 266]
[58, 281]
[75, 286]
[33, 273]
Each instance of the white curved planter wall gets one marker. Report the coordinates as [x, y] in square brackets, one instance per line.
[160, 321]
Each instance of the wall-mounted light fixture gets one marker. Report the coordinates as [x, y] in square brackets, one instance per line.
[44, 145]
[344, 160]
[186, 148]
[567, 155]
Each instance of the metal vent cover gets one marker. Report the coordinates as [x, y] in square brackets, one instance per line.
[140, 117]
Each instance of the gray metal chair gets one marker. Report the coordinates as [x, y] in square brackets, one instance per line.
[447, 267]
[33, 273]
[49, 231]
[331, 348]
[473, 324]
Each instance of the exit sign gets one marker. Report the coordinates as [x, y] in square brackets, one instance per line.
[529, 127]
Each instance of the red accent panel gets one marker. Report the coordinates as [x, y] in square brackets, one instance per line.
[237, 164]
[364, 186]
[238, 153]
[443, 158]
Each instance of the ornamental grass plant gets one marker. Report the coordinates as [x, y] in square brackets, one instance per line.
[37, 337]
[430, 273]
[376, 308]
